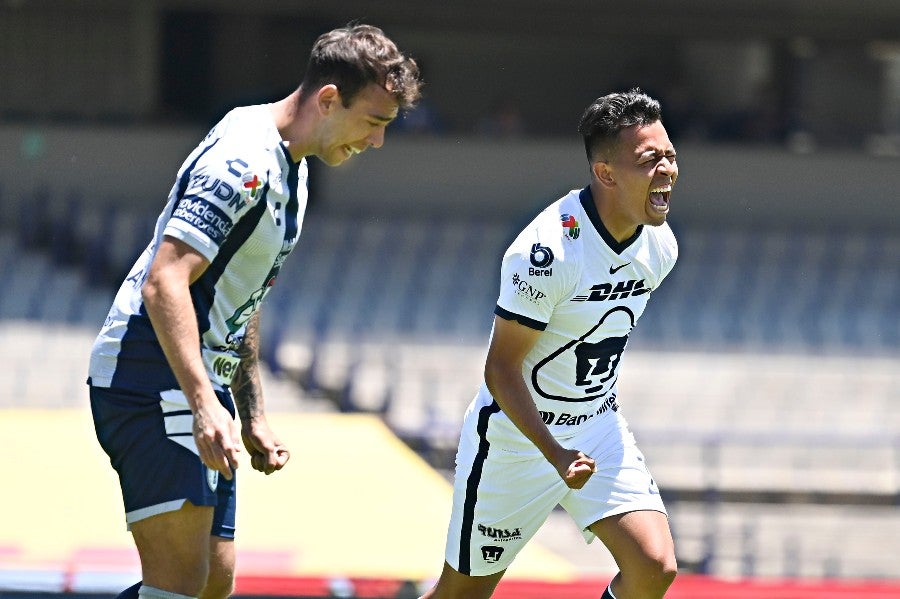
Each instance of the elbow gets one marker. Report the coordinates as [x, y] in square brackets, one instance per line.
[494, 375]
[149, 291]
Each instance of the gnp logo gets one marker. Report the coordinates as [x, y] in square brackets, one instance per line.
[524, 289]
[606, 291]
[491, 553]
[541, 257]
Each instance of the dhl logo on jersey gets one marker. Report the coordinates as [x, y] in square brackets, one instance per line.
[606, 291]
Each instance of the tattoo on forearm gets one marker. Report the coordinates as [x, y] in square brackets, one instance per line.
[246, 385]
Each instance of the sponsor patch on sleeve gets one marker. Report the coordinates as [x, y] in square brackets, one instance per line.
[205, 217]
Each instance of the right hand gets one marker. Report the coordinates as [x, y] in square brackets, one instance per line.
[218, 439]
[575, 467]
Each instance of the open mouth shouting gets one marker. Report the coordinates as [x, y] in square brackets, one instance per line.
[659, 198]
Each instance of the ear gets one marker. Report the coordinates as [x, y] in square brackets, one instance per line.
[328, 98]
[603, 173]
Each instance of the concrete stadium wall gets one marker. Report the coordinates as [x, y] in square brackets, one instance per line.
[452, 176]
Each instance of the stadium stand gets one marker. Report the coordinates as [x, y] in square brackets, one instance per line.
[390, 316]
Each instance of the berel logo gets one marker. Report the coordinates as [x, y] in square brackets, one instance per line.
[541, 256]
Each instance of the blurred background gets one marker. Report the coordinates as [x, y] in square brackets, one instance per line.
[762, 383]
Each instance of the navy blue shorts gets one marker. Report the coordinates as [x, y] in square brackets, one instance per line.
[150, 444]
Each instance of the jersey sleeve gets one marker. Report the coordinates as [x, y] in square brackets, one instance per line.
[213, 193]
[534, 278]
[668, 255]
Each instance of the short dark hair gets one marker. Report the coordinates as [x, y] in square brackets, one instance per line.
[357, 55]
[608, 115]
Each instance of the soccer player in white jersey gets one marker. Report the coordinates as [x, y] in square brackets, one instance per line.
[545, 427]
[178, 351]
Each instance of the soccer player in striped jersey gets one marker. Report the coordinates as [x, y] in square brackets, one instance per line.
[177, 355]
[545, 427]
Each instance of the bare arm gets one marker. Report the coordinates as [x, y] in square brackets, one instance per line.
[510, 344]
[267, 453]
[167, 298]
[246, 385]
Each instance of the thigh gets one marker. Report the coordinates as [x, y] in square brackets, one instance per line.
[174, 548]
[149, 440]
[453, 585]
[500, 499]
[220, 581]
[621, 484]
[637, 540]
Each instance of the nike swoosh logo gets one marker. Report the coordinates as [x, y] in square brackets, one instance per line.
[614, 270]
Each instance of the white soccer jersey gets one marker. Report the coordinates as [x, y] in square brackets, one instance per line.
[239, 200]
[568, 277]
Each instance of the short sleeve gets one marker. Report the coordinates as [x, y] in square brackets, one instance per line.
[217, 192]
[533, 280]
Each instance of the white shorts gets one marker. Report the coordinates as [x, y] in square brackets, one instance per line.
[504, 488]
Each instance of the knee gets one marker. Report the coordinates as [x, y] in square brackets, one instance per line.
[218, 587]
[667, 572]
[649, 578]
[219, 584]
[659, 574]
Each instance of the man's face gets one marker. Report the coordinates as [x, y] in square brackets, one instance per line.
[644, 169]
[349, 131]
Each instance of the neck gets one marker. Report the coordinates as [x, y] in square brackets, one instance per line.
[620, 228]
[295, 125]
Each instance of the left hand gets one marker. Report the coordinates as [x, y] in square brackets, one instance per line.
[267, 453]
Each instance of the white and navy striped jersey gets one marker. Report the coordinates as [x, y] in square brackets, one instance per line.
[566, 276]
[239, 200]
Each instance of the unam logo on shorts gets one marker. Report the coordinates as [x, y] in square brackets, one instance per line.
[491, 553]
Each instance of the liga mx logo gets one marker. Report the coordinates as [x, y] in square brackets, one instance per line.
[250, 183]
[573, 229]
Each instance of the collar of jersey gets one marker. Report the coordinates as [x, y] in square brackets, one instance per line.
[587, 202]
